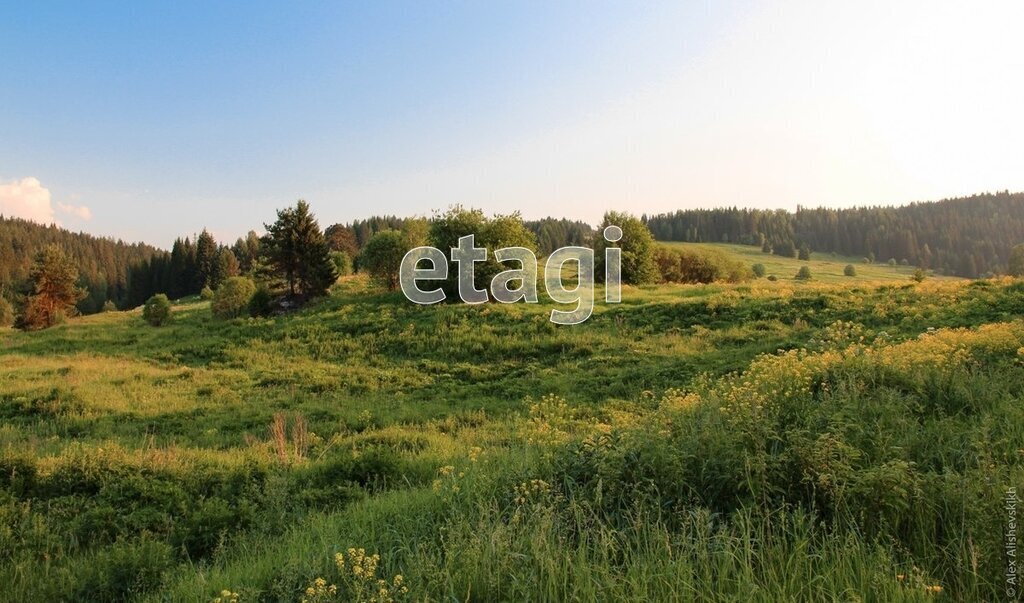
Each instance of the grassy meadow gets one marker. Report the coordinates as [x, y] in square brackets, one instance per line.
[837, 439]
[825, 267]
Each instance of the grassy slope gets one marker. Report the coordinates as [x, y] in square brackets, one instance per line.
[824, 266]
[409, 388]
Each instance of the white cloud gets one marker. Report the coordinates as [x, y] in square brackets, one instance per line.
[29, 199]
[26, 198]
[79, 211]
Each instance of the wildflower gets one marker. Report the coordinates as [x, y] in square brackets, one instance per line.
[227, 596]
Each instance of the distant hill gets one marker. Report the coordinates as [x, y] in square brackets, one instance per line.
[967, 236]
[102, 263]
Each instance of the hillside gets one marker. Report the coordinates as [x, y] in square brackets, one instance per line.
[968, 236]
[825, 267]
[103, 263]
[477, 448]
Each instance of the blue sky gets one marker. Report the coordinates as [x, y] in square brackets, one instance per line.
[149, 120]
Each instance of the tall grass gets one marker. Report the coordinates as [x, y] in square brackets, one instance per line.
[754, 442]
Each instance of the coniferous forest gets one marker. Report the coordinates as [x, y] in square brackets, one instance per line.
[103, 264]
[967, 236]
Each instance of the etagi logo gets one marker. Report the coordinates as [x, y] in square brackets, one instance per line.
[467, 254]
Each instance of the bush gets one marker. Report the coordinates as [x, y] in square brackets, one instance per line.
[109, 306]
[261, 303]
[850, 270]
[695, 265]
[382, 257]
[206, 294]
[804, 274]
[772, 278]
[157, 310]
[919, 275]
[758, 270]
[123, 571]
[233, 296]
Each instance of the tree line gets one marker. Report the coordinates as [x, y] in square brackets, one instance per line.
[967, 236]
[550, 233]
[103, 264]
[293, 256]
[292, 261]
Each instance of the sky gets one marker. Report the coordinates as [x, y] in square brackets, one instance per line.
[151, 120]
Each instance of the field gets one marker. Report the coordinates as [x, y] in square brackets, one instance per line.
[838, 439]
[825, 267]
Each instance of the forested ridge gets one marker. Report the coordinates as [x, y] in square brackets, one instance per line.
[966, 236]
[103, 263]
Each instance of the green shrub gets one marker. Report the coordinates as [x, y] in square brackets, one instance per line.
[342, 263]
[109, 306]
[850, 270]
[772, 278]
[157, 310]
[206, 294]
[122, 571]
[382, 257]
[804, 274]
[262, 302]
[207, 525]
[758, 270]
[697, 265]
[233, 297]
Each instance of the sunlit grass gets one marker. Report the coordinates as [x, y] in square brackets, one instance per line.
[617, 459]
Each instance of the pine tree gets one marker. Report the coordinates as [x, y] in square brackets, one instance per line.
[54, 289]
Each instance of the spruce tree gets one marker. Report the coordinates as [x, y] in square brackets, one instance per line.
[298, 251]
[206, 261]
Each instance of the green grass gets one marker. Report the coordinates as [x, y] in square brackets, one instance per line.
[617, 459]
[825, 267]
